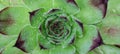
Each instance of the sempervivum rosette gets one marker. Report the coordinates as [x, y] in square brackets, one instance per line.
[55, 29]
[58, 27]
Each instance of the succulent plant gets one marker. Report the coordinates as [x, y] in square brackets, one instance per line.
[59, 27]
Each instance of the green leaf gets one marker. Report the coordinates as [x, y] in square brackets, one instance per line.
[37, 17]
[36, 4]
[16, 3]
[89, 13]
[2, 6]
[52, 4]
[105, 49]
[65, 6]
[58, 50]
[83, 44]
[40, 52]
[13, 19]
[12, 50]
[61, 50]
[5, 2]
[28, 39]
[114, 7]
[7, 41]
[110, 29]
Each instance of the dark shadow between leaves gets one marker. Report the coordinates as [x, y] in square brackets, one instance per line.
[72, 1]
[80, 24]
[19, 44]
[96, 42]
[42, 47]
[32, 14]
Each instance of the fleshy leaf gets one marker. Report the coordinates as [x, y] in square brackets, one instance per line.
[6, 41]
[16, 3]
[79, 31]
[91, 11]
[84, 44]
[12, 20]
[37, 17]
[28, 39]
[60, 50]
[110, 29]
[12, 50]
[52, 4]
[5, 3]
[66, 6]
[36, 4]
[2, 6]
[40, 51]
[105, 49]
[114, 7]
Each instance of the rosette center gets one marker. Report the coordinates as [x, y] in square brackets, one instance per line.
[57, 27]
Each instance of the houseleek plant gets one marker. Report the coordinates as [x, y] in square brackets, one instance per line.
[59, 27]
